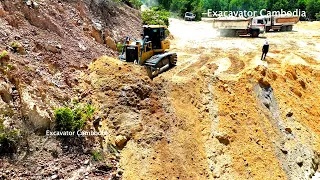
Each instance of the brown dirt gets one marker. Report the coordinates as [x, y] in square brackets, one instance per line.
[221, 113]
[58, 38]
[241, 119]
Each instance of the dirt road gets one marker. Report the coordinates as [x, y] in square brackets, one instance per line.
[228, 115]
[196, 42]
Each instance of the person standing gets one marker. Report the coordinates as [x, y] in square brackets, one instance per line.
[265, 50]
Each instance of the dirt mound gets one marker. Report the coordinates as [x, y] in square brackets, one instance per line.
[221, 113]
[57, 41]
[49, 44]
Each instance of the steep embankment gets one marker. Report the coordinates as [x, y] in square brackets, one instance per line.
[221, 112]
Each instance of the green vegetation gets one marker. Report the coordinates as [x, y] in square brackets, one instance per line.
[132, 3]
[156, 16]
[318, 16]
[96, 155]
[3, 54]
[8, 139]
[8, 113]
[311, 7]
[74, 118]
[10, 66]
[14, 44]
[120, 46]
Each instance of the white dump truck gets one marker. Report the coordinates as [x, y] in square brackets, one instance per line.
[235, 26]
[279, 23]
[188, 16]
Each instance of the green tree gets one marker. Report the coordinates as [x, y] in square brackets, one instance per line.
[312, 7]
[155, 16]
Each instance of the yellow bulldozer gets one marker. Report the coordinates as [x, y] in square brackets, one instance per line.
[150, 51]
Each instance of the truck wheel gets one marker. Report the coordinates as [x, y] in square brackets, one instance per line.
[289, 28]
[268, 29]
[233, 33]
[255, 34]
[283, 28]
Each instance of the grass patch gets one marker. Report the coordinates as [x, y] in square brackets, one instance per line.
[3, 54]
[15, 45]
[120, 46]
[10, 66]
[96, 155]
[8, 139]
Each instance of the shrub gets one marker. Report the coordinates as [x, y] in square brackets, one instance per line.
[74, 119]
[96, 155]
[317, 16]
[132, 3]
[10, 66]
[155, 16]
[120, 47]
[8, 139]
[15, 45]
[3, 54]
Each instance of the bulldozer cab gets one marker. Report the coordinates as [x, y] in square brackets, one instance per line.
[156, 34]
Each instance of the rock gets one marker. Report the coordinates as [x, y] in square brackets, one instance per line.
[29, 2]
[288, 130]
[35, 4]
[2, 12]
[96, 33]
[233, 116]
[54, 176]
[97, 26]
[296, 91]
[18, 48]
[111, 43]
[299, 161]
[289, 113]
[86, 162]
[121, 141]
[212, 167]
[53, 49]
[5, 92]
[284, 150]
[223, 139]
[82, 47]
[35, 111]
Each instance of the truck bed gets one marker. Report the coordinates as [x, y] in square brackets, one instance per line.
[286, 20]
[230, 23]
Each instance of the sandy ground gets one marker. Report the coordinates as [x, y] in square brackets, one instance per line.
[221, 113]
[193, 40]
[223, 125]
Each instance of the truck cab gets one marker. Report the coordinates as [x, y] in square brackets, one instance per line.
[279, 23]
[188, 16]
[259, 23]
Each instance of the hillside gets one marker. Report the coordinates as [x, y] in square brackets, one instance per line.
[48, 45]
[221, 113]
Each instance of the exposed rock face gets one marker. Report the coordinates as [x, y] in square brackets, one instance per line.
[35, 110]
[44, 73]
[110, 43]
[5, 92]
[96, 33]
[121, 141]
